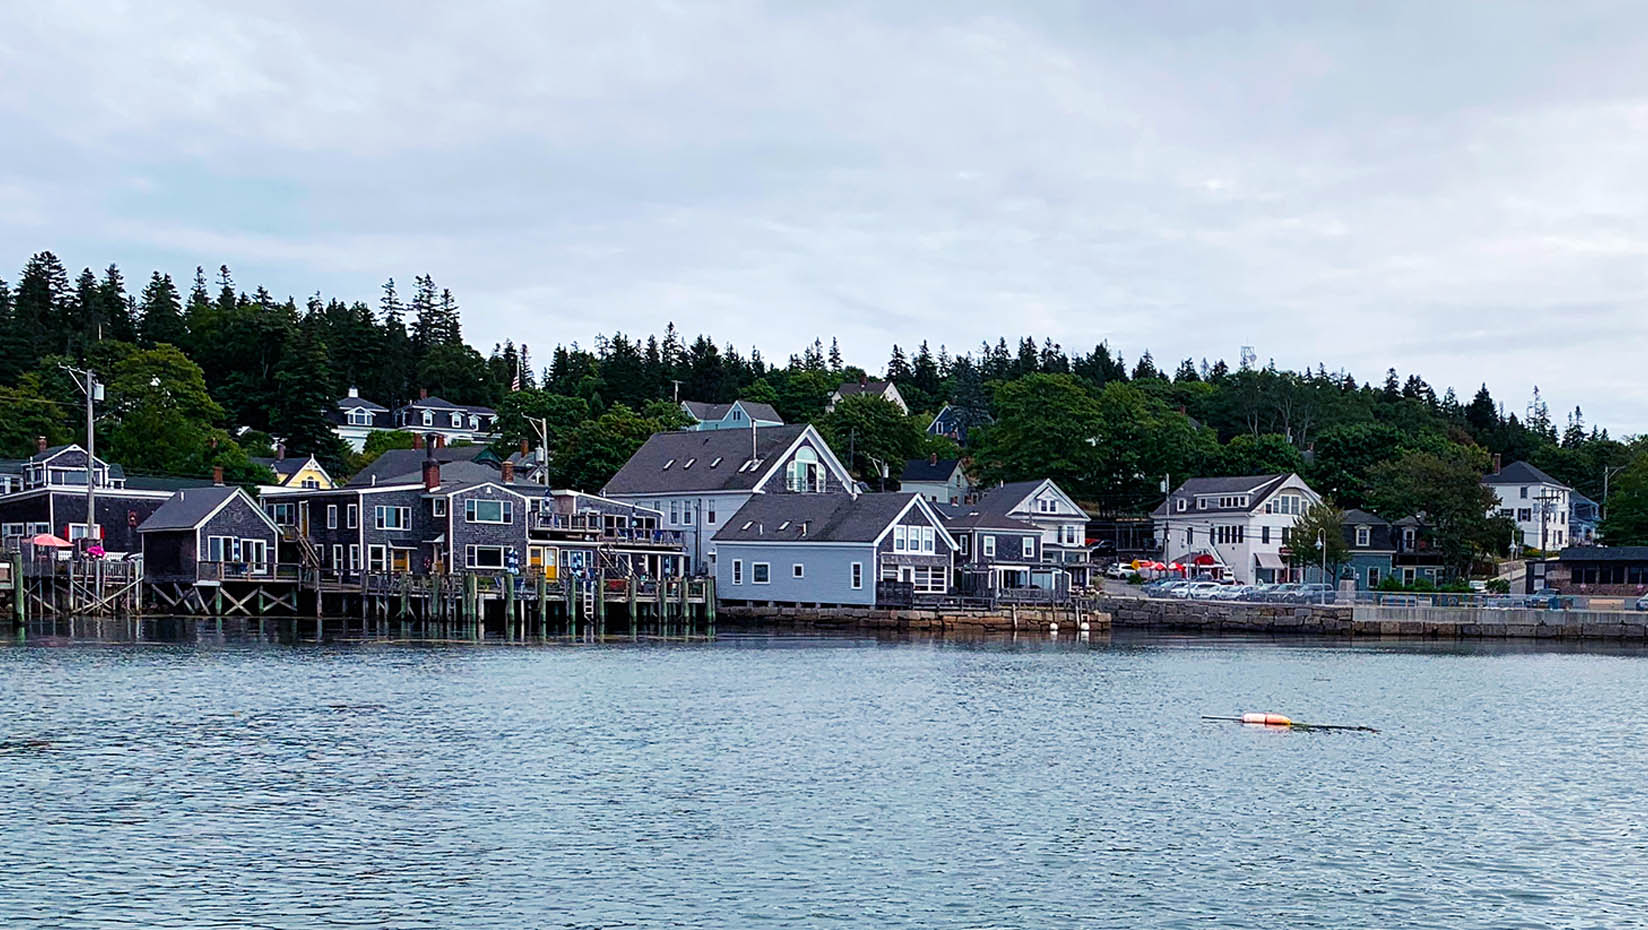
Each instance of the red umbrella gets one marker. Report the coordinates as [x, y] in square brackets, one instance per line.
[49, 541]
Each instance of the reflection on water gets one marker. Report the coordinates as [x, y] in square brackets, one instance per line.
[228, 779]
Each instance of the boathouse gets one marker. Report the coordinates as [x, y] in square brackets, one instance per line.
[208, 535]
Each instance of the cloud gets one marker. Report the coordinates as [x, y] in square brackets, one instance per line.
[1449, 190]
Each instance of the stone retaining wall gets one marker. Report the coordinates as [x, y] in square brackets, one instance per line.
[1002, 620]
[1371, 620]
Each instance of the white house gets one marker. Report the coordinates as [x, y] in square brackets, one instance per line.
[886, 390]
[1241, 524]
[353, 418]
[1537, 502]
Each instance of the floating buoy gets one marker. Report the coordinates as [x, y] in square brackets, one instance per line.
[1287, 723]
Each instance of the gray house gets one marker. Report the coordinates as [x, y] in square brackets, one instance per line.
[996, 553]
[941, 480]
[1044, 505]
[49, 496]
[831, 549]
[208, 534]
[697, 480]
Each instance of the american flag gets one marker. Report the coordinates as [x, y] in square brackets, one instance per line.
[520, 363]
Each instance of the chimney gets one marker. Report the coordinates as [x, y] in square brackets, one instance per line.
[417, 440]
[423, 393]
[280, 451]
[509, 473]
[863, 380]
[39, 443]
[354, 391]
[217, 475]
[932, 459]
[440, 440]
[526, 448]
[1496, 463]
[431, 474]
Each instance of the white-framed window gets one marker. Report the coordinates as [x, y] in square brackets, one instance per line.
[222, 549]
[798, 570]
[737, 571]
[856, 573]
[1363, 535]
[337, 557]
[354, 557]
[962, 542]
[1524, 491]
[351, 515]
[760, 573]
[377, 558]
[675, 512]
[310, 484]
[80, 531]
[1373, 577]
[901, 538]
[255, 553]
[457, 421]
[485, 511]
[358, 417]
[428, 418]
[1182, 504]
[929, 539]
[989, 544]
[388, 517]
[284, 513]
[331, 516]
[484, 556]
[1029, 543]
[709, 513]
[9, 530]
[437, 506]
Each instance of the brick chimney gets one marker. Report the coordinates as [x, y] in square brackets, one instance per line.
[39, 443]
[417, 440]
[217, 475]
[1496, 463]
[423, 393]
[509, 473]
[431, 474]
[280, 451]
[526, 449]
[440, 441]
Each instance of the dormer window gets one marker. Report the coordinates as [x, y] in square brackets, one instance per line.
[428, 418]
[457, 421]
[474, 422]
[1183, 504]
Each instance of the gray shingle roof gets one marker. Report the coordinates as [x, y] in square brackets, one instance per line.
[756, 410]
[408, 464]
[969, 517]
[283, 467]
[1356, 517]
[440, 403]
[928, 470]
[813, 517]
[188, 509]
[350, 403]
[1605, 554]
[1521, 473]
[1257, 486]
[645, 472]
[849, 388]
[164, 483]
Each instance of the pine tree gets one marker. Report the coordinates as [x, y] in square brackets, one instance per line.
[116, 305]
[42, 308]
[835, 356]
[162, 318]
[303, 393]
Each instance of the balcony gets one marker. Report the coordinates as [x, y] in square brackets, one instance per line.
[595, 526]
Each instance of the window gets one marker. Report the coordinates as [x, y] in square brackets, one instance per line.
[1190, 535]
[255, 552]
[428, 418]
[804, 473]
[11, 529]
[760, 573]
[989, 543]
[484, 556]
[1524, 492]
[354, 557]
[283, 513]
[337, 558]
[437, 506]
[1373, 577]
[856, 572]
[1525, 514]
[962, 541]
[377, 558]
[900, 538]
[1182, 504]
[929, 539]
[358, 417]
[1364, 536]
[798, 570]
[222, 549]
[709, 513]
[1264, 534]
[352, 515]
[485, 511]
[457, 421]
[331, 516]
[737, 571]
[385, 517]
[1029, 544]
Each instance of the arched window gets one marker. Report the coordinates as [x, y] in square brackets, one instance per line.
[804, 474]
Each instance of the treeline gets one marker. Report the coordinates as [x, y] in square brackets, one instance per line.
[210, 371]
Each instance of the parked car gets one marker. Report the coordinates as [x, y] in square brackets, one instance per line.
[1282, 592]
[1314, 593]
[1234, 592]
[1163, 587]
[1202, 590]
[1546, 599]
[1121, 570]
[1642, 602]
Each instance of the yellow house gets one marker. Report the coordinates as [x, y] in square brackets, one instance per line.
[297, 472]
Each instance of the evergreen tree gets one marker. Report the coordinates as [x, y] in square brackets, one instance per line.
[42, 308]
[116, 307]
[835, 356]
[162, 318]
[303, 394]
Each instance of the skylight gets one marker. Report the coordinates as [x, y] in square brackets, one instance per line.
[785, 525]
[688, 464]
[748, 524]
[668, 464]
[715, 461]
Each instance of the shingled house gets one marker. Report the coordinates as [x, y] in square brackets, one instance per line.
[208, 534]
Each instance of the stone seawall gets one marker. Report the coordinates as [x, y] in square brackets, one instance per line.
[1372, 620]
[999, 620]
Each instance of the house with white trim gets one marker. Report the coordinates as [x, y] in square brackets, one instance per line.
[1538, 503]
[699, 479]
[886, 390]
[1045, 506]
[1237, 526]
[354, 418]
[740, 414]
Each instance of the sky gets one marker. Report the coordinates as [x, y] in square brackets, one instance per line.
[1457, 190]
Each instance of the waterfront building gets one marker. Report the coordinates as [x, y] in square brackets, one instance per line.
[886, 390]
[943, 481]
[1620, 571]
[832, 549]
[1237, 524]
[699, 479]
[50, 497]
[952, 422]
[997, 554]
[354, 418]
[208, 535]
[1538, 503]
[1044, 505]
[451, 422]
[740, 414]
[1369, 541]
[295, 471]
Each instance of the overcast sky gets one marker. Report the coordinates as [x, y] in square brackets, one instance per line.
[1456, 190]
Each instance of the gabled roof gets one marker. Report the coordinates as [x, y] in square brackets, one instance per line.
[162, 483]
[1002, 499]
[406, 465]
[357, 402]
[285, 467]
[1257, 487]
[710, 412]
[969, 517]
[928, 470]
[817, 518]
[1521, 473]
[661, 466]
[1356, 517]
[189, 509]
[849, 388]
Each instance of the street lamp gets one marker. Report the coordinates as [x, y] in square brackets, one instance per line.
[1322, 545]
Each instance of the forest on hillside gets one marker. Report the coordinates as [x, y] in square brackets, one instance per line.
[206, 372]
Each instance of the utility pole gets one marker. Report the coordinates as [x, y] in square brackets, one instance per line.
[1609, 472]
[86, 380]
[677, 389]
[1546, 500]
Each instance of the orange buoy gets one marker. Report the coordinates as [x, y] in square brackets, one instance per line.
[1267, 720]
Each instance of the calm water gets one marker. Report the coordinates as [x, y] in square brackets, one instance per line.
[814, 782]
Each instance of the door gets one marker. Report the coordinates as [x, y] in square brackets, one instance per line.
[303, 518]
[400, 560]
[907, 573]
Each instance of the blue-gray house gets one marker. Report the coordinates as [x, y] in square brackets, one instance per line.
[740, 414]
[831, 549]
